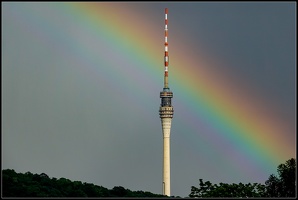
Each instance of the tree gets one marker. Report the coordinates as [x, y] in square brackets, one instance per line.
[119, 191]
[207, 189]
[282, 186]
[285, 184]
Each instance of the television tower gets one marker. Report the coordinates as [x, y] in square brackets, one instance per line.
[166, 114]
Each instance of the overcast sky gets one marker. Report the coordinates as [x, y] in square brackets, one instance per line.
[78, 101]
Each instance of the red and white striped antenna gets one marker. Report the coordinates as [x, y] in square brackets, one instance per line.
[166, 50]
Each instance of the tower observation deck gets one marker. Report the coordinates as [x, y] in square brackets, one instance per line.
[166, 108]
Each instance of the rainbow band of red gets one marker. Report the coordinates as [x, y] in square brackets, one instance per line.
[166, 43]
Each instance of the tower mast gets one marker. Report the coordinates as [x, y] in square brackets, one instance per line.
[166, 114]
[166, 58]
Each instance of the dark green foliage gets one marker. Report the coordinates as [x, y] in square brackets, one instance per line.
[208, 189]
[34, 185]
[282, 186]
[285, 184]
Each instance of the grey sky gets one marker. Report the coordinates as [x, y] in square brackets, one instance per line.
[85, 124]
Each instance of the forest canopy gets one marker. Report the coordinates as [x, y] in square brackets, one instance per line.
[40, 185]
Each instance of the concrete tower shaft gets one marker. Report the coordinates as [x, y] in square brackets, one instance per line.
[166, 167]
[166, 130]
[166, 112]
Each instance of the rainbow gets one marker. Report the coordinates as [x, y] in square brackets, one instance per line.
[236, 114]
[233, 117]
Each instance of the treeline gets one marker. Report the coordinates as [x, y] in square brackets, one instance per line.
[40, 185]
[283, 185]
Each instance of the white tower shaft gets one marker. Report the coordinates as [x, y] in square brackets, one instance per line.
[166, 129]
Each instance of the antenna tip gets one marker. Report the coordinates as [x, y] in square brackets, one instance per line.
[166, 10]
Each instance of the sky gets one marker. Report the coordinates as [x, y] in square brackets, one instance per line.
[80, 87]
